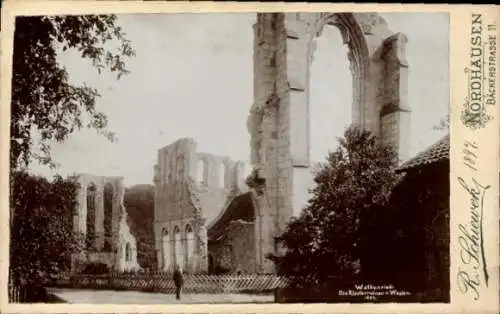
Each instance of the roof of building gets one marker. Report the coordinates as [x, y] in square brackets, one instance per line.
[434, 153]
[240, 208]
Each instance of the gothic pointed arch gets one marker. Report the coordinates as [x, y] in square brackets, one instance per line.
[279, 118]
[202, 175]
[358, 56]
[190, 245]
[178, 247]
[166, 245]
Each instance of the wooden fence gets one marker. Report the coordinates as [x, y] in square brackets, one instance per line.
[16, 294]
[162, 282]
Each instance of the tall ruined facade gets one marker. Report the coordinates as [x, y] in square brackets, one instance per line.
[100, 223]
[192, 190]
[279, 118]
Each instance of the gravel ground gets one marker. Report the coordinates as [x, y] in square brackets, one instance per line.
[135, 297]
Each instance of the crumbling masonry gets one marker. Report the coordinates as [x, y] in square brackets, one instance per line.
[278, 123]
[192, 189]
[100, 222]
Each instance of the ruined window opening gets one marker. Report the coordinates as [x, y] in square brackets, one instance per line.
[272, 61]
[201, 174]
[91, 200]
[108, 216]
[325, 95]
[222, 175]
[189, 244]
[178, 252]
[274, 18]
[128, 252]
[166, 249]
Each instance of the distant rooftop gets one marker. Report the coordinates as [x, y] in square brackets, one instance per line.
[434, 153]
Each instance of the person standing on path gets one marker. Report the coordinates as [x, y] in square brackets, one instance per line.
[178, 281]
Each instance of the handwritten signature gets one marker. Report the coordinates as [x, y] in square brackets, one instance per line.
[472, 256]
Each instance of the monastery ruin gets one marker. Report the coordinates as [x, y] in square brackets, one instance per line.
[279, 119]
[214, 214]
[204, 225]
[100, 221]
[192, 190]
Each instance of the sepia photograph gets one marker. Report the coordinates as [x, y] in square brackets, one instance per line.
[258, 157]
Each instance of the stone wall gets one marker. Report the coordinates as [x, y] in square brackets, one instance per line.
[242, 239]
[217, 177]
[395, 111]
[235, 250]
[221, 254]
[176, 207]
[279, 117]
[192, 189]
[103, 245]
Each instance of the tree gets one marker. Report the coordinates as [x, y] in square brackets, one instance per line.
[42, 238]
[44, 103]
[43, 100]
[325, 243]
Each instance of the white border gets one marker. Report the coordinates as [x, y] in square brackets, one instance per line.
[487, 139]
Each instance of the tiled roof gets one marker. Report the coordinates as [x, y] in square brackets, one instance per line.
[436, 152]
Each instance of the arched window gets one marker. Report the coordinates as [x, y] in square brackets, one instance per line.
[201, 172]
[108, 216]
[178, 252]
[222, 175]
[189, 245]
[166, 243]
[128, 252]
[90, 222]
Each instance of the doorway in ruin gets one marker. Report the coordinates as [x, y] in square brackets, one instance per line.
[280, 118]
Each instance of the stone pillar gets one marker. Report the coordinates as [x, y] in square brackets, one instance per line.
[200, 257]
[263, 127]
[158, 245]
[191, 162]
[279, 118]
[293, 87]
[81, 227]
[395, 113]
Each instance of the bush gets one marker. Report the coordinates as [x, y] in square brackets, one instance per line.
[96, 269]
[330, 237]
[42, 238]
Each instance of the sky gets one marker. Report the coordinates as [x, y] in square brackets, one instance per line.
[192, 76]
